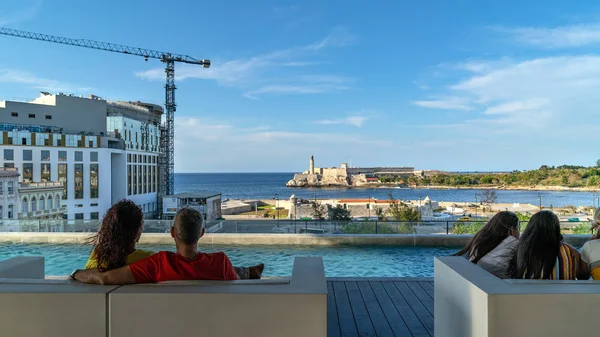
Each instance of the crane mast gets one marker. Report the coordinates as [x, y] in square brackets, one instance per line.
[167, 130]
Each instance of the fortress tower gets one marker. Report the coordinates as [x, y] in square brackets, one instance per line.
[311, 169]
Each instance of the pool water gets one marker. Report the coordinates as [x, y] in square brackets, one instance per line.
[339, 261]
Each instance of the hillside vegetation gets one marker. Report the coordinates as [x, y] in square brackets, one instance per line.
[566, 175]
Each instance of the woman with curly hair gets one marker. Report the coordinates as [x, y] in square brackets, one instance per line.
[121, 229]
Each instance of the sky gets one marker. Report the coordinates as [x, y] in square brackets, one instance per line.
[451, 85]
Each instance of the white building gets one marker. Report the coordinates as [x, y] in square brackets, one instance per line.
[67, 139]
[206, 202]
[9, 197]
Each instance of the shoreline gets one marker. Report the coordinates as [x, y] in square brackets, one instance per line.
[478, 187]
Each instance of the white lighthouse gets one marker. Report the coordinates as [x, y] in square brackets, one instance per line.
[311, 169]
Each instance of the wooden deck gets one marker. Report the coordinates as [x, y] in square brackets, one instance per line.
[379, 307]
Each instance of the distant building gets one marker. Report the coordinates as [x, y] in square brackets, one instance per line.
[28, 200]
[206, 202]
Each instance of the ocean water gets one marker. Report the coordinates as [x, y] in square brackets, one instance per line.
[269, 185]
[342, 261]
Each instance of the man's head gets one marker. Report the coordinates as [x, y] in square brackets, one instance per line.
[188, 226]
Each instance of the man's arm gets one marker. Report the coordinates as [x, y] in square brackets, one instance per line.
[117, 276]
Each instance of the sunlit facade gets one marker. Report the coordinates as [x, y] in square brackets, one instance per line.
[94, 165]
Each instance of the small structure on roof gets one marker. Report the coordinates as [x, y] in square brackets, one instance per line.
[206, 202]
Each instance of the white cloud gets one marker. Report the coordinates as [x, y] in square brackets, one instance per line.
[15, 11]
[357, 121]
[254, 74]
[197, 141]
[447, 103]
[557, 37]
[21, 77]
[542, 96]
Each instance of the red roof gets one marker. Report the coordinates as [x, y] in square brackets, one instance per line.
[372, 179]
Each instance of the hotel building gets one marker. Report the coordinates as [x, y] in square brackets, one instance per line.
[100, 151]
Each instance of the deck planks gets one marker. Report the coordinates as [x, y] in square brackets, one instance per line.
[381, 307]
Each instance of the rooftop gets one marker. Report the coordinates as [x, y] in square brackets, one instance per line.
[195, 194]
[8, 172]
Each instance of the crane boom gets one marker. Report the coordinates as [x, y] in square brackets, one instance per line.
[107, 46]
[167, 158]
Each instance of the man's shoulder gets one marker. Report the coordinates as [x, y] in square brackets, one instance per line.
[216, 256]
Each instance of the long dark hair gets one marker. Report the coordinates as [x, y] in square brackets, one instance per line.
[538, 248]
[117, 234]
[489, 237]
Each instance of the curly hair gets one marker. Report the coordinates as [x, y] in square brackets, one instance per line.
[117, 234]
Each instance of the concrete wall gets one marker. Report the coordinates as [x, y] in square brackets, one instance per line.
[72, 114]
[52, 308]
[469, 301]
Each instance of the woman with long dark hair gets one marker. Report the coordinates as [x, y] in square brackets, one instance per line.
[542, 254]
[121, 229]
[493, 246]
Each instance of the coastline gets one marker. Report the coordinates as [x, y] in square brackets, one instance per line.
[472, 187]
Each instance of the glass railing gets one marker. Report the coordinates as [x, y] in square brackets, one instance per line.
[283, 226]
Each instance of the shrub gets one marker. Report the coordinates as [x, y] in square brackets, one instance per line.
[582, 228]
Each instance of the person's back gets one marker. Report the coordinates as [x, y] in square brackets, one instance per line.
[590, 254]
[498, 260]
[169, 266]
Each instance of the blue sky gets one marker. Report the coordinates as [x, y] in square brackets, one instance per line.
[455, 85]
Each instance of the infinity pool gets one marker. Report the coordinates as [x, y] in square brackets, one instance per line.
[349, 261]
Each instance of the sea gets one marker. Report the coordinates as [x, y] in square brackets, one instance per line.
[252, 186]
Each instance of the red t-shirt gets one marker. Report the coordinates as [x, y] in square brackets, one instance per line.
[169, 266]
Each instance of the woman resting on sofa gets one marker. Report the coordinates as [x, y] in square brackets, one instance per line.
[542, 254]
[493, 246]
[121, 229]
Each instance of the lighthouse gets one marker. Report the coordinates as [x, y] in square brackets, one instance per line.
[311, 169]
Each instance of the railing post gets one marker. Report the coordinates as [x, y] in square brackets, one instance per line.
[295, 231]
[236, 226]
[447, 227]
[305, 227]
[38, 225]
[376, 224]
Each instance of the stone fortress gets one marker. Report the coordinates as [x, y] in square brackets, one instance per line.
[345, 176]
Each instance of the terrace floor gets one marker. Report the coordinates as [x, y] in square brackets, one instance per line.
[379, 307]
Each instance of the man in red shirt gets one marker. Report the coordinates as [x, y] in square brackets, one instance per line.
[186, 264]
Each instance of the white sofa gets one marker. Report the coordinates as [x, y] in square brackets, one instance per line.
[470, 302]
[294, 306]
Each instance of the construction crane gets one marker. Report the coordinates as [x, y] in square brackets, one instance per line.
[167, 184]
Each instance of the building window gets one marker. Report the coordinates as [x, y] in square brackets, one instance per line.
[94, 215]
[57, 201]
[9, 165]
[94, 204]
[135, 177]
[62, 178]
[14, 114]
[46, 172]
[25, 205]
[50, 202]
[1, 212]
[10, 211]
[78, 216]
[1, 188]
[45, 155]
[31, 115]
[144, 179]
[27, 155]
[78, 156]
[33, 204]
[78, 181]
[94, 157]
[93, 180]
[128, 179]
[9, 155]
[42, 203]
[78, 205]
[27, 172]
[62, 155]
[48, 116]
[11, 187]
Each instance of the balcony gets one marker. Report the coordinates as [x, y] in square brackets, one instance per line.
[40, 185]
[42, 213]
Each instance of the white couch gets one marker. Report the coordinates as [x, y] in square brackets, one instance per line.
[470, 302]
[294, 306]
